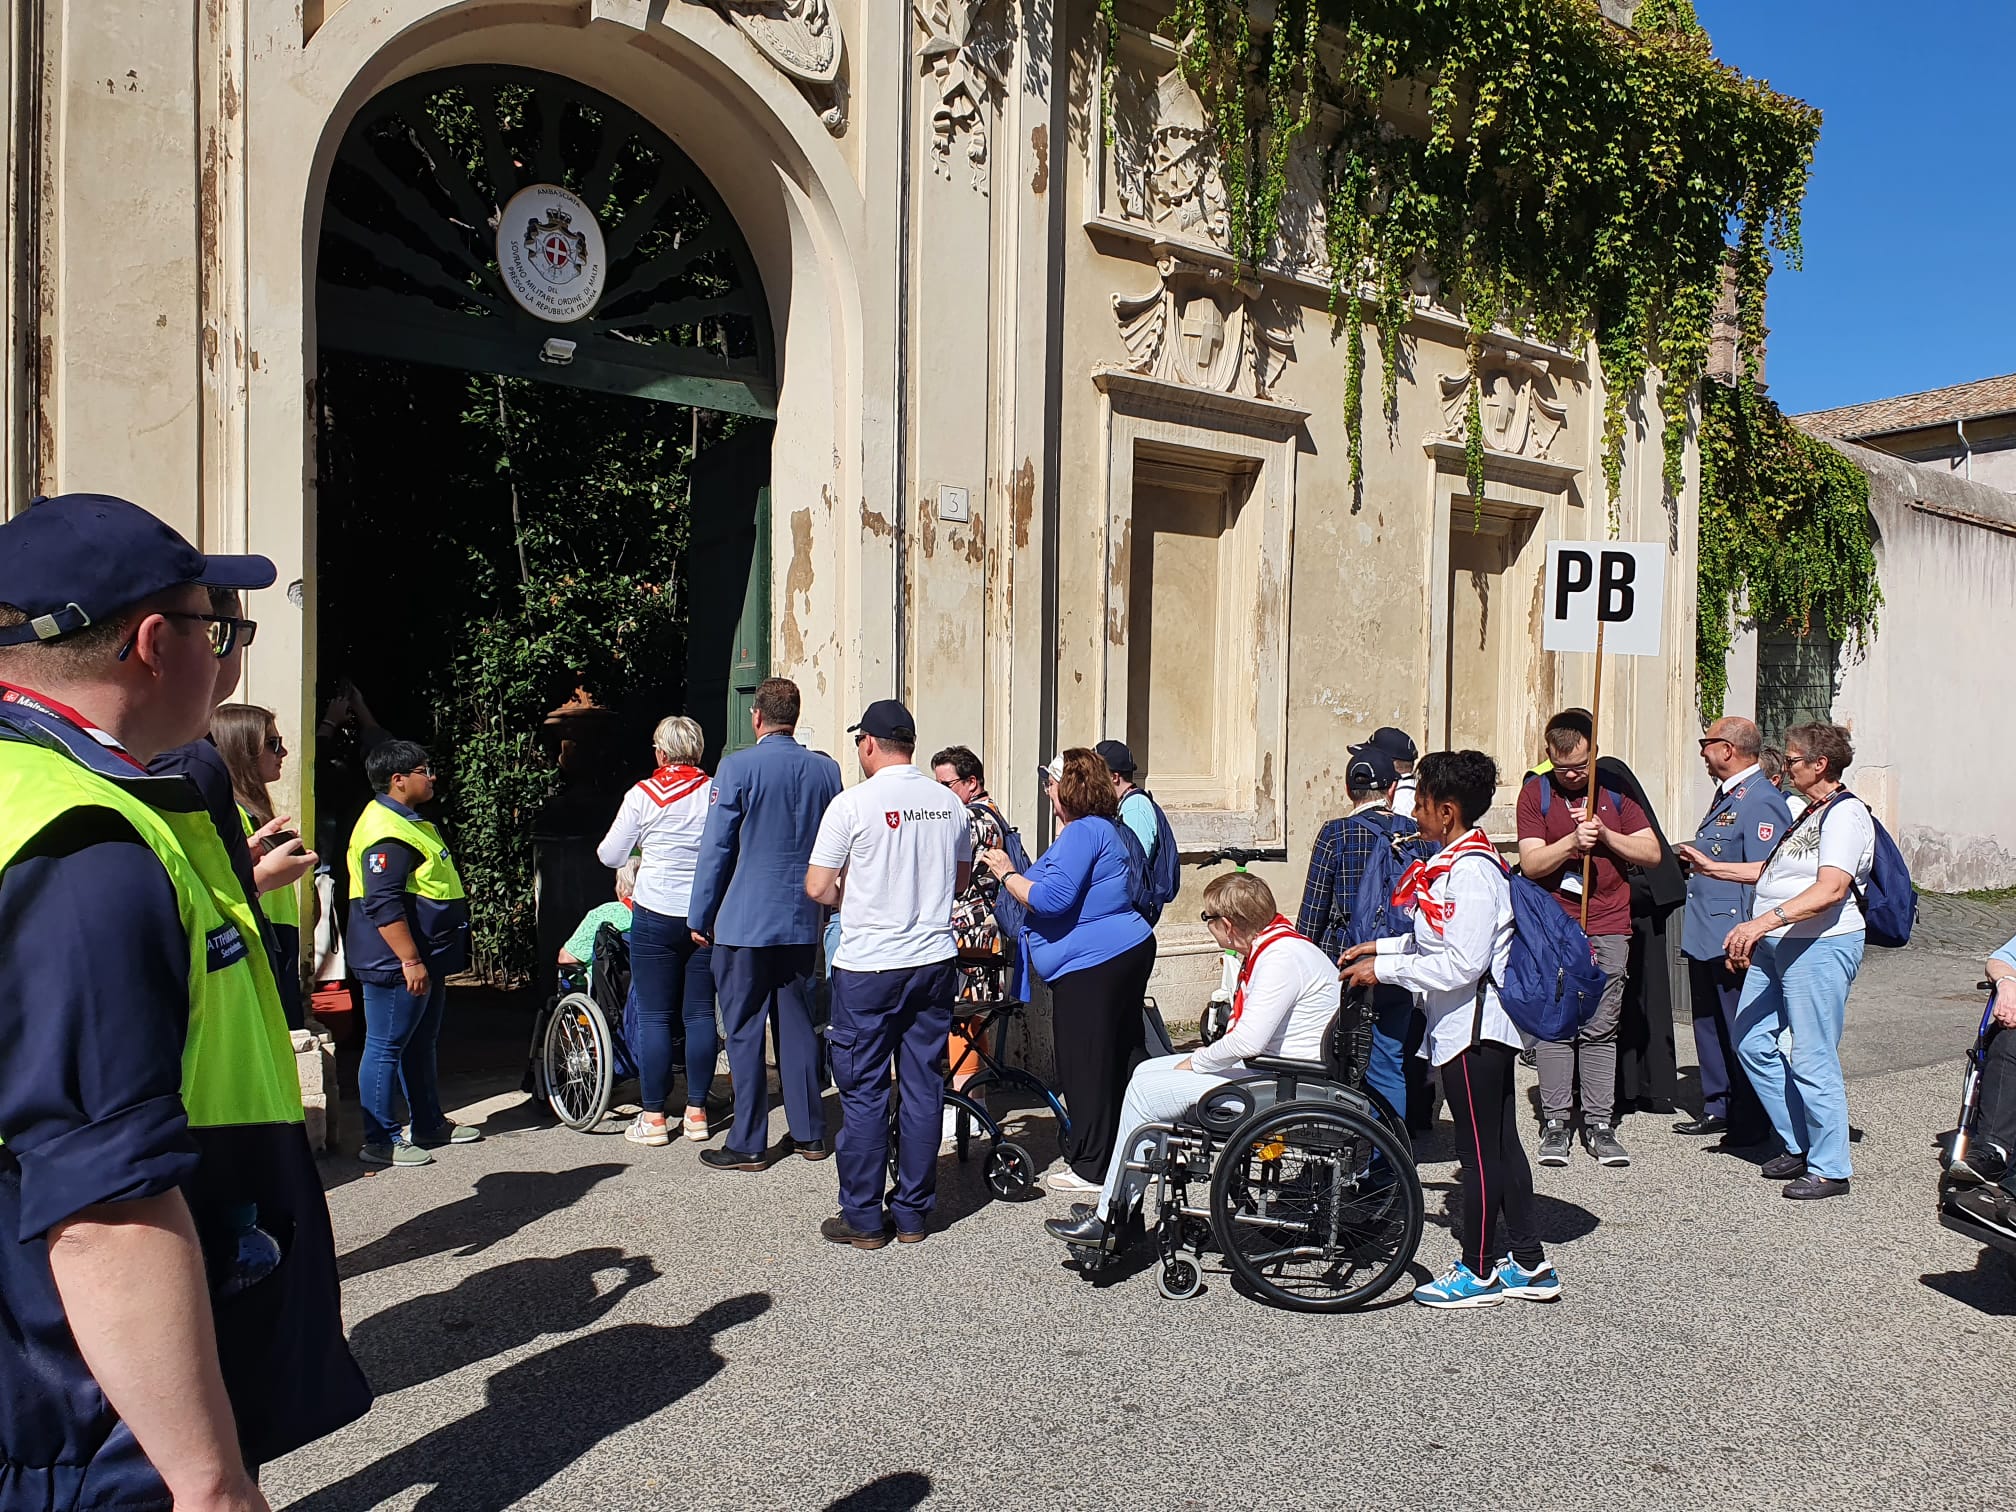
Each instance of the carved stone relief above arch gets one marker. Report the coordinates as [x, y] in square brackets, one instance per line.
[802, 39]
[1204, 328]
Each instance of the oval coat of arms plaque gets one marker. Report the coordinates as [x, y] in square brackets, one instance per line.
[551, 253]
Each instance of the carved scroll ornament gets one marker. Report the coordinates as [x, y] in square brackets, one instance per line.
[802, 38]
[962, 80]
[1203, 328]
[1516, 400]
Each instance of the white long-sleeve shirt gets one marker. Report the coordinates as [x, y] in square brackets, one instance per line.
[663, 822]
[1442, 968]
[1290, 999]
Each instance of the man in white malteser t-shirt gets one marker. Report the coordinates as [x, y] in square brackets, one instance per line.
[892, 852]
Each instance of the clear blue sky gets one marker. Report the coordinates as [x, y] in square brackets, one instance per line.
[1911, 214]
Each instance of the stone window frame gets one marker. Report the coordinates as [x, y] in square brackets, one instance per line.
[1149, 419]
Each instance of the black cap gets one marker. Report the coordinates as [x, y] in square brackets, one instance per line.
[886, 719]
[1116, 756]
[78, 559]
[1370, 768]
[1395, 743]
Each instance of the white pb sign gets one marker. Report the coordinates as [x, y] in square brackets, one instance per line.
[1619, 585]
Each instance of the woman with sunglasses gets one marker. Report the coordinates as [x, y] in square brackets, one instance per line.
[248, 738]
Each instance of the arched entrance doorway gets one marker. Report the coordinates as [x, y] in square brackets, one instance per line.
[546, 381]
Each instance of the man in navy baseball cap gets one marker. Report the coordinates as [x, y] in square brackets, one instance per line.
[78, 560]
[887, 719]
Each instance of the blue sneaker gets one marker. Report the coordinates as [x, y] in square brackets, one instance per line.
[1461, 1288]
[1541, 1284]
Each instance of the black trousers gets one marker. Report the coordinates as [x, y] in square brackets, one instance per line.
[1725, 1086]
[1997, 1117]
[1497, 1183]
[1096, 1017]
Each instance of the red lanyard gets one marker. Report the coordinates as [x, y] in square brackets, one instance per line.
[42, 703]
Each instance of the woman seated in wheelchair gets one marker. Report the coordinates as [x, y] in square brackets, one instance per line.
[1287, 995]
[579, 951]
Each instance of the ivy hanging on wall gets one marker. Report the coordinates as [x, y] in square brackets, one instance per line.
[1558, 173]
[1785, 532]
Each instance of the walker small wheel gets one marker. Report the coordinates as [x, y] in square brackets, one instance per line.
[1180, 1280]
[1011, 1170]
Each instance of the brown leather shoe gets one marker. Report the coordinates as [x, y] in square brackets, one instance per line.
[910, 1238]
[840, 1231]
[812, 1149]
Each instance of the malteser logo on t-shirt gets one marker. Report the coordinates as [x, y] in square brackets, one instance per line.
[892, 818]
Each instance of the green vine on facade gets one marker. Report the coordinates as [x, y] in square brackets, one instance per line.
[1785, 534]
[1558, 173]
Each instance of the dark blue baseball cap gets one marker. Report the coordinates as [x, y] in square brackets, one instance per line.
[79, 559]
[1116, 756]
[886, 719]
[1371, 767]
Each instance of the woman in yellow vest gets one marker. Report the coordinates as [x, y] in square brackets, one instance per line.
[408, 933]
[248, 738]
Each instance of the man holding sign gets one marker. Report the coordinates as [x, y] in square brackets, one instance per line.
[1562, 838]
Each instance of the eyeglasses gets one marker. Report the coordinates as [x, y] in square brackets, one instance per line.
[226, 633]
[1793, 758]
[419, 771]
[1571, 771]
[276, 745]
[1210, 918]
[1708, 740]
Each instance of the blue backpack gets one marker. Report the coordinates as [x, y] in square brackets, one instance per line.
[1165, 868]
[1889, 903]
[1374, 915]
[1140, 876]
[1552, 983]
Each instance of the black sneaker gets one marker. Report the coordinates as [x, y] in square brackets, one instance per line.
[1556, 1144]
[1986, 1205]
[1600, 1140]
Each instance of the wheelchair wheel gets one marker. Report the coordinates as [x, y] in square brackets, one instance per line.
[1180, 1280]
[1010, 1171]
[578, 1060]
[1315, 1207]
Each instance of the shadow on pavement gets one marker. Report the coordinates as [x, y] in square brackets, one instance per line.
[891, 1493]
[503, 1203]
[1988, 1288]
[546, 1412]
[1559, 1222]
[491, 1313]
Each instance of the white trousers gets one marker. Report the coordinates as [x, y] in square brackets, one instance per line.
[1156, 1093]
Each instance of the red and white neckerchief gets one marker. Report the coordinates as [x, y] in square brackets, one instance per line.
[1415, 882]
[669, 784]
[42, 703]
[1279, 929]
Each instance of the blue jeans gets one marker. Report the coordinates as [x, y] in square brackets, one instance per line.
[400, 1031]
[672, 979]
[1394, 1039]
[1801, 985]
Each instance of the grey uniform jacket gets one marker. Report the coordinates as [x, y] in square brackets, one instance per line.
[1742, 824]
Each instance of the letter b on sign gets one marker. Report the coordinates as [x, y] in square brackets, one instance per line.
[1622, 584]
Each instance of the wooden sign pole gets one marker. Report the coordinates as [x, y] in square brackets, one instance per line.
[1590, 804]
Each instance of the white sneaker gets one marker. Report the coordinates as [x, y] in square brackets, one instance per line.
[949, 1128]
[696, 1124]
[1064, 1179]
[644, 1132]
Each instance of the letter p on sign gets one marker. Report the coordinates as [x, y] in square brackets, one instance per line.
[1620, 583]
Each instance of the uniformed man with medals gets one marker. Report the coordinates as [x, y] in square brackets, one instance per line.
[1746, 819]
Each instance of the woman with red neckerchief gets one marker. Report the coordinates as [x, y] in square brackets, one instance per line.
[1287, 995]
[1460, 947]
[671, 973]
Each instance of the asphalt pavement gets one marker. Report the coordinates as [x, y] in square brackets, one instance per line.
[564, 1320]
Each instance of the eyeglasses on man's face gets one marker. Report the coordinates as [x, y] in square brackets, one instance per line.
[226, 632]
[1708, 740]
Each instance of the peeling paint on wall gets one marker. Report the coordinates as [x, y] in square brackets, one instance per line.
[1039, 148]
[874, 522]
[797, 580]
[927, 527]
[1119, 577]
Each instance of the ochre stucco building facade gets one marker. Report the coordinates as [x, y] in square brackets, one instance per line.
[1045, 461]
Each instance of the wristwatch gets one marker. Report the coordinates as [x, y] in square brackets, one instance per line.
[1779, 909]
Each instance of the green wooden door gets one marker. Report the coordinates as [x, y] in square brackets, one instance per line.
[728, 587]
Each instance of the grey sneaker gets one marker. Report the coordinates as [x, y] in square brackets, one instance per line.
[1555, 1144]
[447, 1134]
[1600, 1140]
[397, 1153]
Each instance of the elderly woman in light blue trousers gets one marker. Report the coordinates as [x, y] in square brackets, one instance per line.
[1803, 949]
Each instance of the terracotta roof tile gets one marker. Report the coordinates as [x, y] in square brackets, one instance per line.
[1964, 401]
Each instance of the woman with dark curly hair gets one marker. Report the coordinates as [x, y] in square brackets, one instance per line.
[1459, 950]
[1087, 941]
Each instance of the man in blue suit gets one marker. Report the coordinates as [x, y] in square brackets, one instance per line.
[749, 902]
